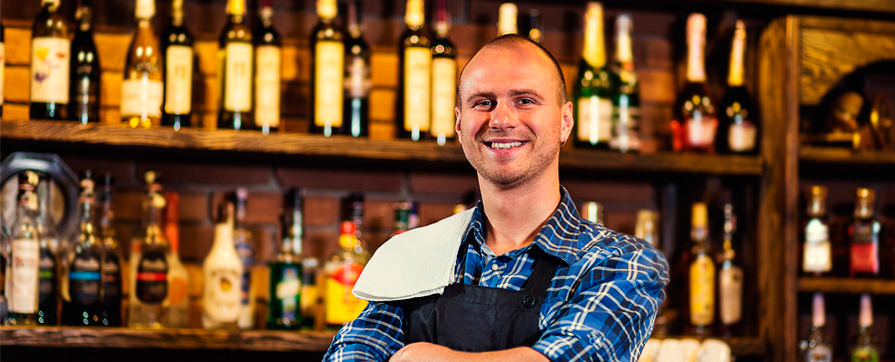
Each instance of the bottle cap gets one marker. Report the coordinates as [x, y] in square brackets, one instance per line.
[347, 228]
[868, 194]
[414, 16]
[506, 23]
[145, 9]
[818, 317]
[236, 7]
[327, 9]
[865, 319]
[818, 191]
[700, 215]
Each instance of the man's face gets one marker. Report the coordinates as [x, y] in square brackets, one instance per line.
[510, 120]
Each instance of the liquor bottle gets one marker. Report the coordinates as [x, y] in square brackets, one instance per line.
[85, 70]
[327, 71]
[864, 236]
[820, 348]
[268, 72]
[235, 58]
[141, 89]
[866, 346]
[817, 256]
[444, 78]
[48, 301]
[702, 274]
[149, 262]
[415, 76]
[245, 248]
[82, 304]
[626, 101]
[23, 268]
[506, 19]
[534, 25]
[286, 270]
[50, 52]
[738, 125]
[342, 270]
[311, 299]
[177, 45]
[112, 281]
[646, 227]
[596, 86]
[2, 67]
[694, 128]
[222, 271]
[177, 304]
[593, 212]
[356, 114]
[402, 217]
[730, 278]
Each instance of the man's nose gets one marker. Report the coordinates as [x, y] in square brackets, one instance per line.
[503, 116]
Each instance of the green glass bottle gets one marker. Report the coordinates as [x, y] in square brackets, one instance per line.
[596, 86]
[286, 270]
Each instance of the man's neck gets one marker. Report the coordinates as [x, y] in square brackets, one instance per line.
[513, 217]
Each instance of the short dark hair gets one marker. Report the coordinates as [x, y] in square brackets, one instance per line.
[516, 39]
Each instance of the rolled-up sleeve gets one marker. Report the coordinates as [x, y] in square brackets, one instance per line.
[374, 336]
[610, 313]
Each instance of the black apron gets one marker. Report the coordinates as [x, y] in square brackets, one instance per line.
[474, 318]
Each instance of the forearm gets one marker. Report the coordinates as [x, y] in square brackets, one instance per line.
[428, 352]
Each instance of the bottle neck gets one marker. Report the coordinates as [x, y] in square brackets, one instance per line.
[86, 207]
[239, 220]
[818, 317]
[84, 17]
[816, 206]
[864, 209]
[699, 233]
[295, 234]
[354, 22]
[737, 54]
[594, 48]
[414, 17]
[695, 59]
[266, 16]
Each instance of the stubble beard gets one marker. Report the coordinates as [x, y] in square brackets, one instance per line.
[506, 178]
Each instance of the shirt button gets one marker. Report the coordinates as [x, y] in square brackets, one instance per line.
[495, 267]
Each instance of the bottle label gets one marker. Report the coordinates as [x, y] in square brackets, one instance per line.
[820, 353]
[417, 79]
[178, 79]
[864, 258]
[817, 258]
[444, 96]
[152, 277]
[865, 354]
[701, 129]
[112, 278]
[141, 98]
[84, 279]
[238, 77]
[50, 59]
[625, 125]
[731, 285]
[24, 269]
[342, 306]
[357, 83]
[267, 85]
[741, 136]
[47, 275]
[221, 299]
[594, 119]
[287, 291]
[2, 69]
[330, 68]
[702, 291]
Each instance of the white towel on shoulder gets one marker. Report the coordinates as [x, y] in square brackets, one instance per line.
[416, 263]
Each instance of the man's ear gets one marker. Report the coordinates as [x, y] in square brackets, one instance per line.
[457, 122]
[568, 120]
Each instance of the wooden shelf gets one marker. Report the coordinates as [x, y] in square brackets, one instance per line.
[31, 134]
[740, 346]
[846, 285]
[829, 155]
[279, 341]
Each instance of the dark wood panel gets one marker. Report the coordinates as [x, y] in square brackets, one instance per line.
[822, 155]
[846, 285]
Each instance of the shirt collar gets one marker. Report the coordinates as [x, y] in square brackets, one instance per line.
[558, 236]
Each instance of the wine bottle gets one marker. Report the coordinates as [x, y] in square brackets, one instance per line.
[141, 89]
[865, 347]
[506, 19]
[50, 63]
[222, 271]
[356, 114]
[149, 262]
[84, 259]
[245, 248]
[414, 77]
[268, 72]
[444, 78]
[177, 45]
[48, 301]
[177, 304]
[626, 101]
[864, 236]
[22, 276]
[730, 278]
[694, 128]
[819, 348]
[112, 281]
[327, 71]
[702, 274]
[402, 217]
[235, 65]
[85, 69]
[817, 256]
[596, 86]
[286, 270]
[738, 126]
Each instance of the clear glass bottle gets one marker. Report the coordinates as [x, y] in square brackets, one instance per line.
[444, 78]
[244, 243]
[286, 270]
[49, 245]
[50, 63]
[414, 76]
[730, 278]
[701, 274]
[596, 86]
[177, 304]
[83, 300]
[864, 236]
[817, 255]
[356, 116]
[694, 127]
[268, 71]
[177, 45]
[626, 101]
[22, 277]
[866, 346]
[819, 347]
[141, 88]
[222, 271]
[149, 262]
[85, 69]
[327, 71]
[112, 280]
[235, 65]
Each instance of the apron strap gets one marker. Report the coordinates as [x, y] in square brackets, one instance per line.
[543, 271]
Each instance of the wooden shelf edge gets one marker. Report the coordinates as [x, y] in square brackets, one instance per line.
[843, 155]
[277, 341]
[846, 285]
[741, 346]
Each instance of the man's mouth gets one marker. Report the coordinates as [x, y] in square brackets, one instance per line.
[504, 145]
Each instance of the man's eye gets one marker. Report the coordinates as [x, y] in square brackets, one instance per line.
[483, 104]
[526, 101]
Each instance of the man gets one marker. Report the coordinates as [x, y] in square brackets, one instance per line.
[520, 277]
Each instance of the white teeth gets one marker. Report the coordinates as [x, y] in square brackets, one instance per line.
[504, 146]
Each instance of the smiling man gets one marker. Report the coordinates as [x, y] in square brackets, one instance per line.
[520, 277]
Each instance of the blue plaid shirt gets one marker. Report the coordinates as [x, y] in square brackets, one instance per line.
[600, 305]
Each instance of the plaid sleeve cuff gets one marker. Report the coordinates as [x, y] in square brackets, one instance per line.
[571, 347]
